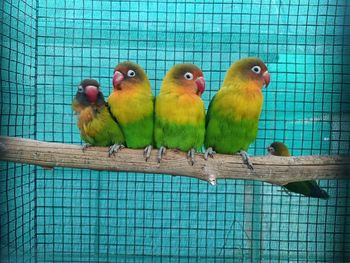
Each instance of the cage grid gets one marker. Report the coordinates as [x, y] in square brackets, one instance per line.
[71, 215]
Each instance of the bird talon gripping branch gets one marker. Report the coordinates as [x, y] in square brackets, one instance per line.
[147, 152]
[85, 146]
[190, 156]
[114, 149]
[246, 159]
[161, 153]
[209, 152]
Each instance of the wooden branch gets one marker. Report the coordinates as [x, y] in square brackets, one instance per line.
[272, 169]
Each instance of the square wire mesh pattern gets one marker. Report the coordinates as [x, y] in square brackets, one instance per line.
[80, 215]
[17, 118]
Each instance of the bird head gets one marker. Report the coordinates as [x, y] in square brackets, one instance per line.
[128, 74]
[250, 70]
[278, 149]
[187, 77]
[89, 93]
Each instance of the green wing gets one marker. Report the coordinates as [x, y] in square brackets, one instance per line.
[226, 135]
[307, 188]
[103, 130]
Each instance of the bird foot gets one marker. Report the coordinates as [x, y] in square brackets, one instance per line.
[190, 156]
[209, 152]
[161, 153]
[114, 149]
[147, 152]
[85, 146]
[246, 159]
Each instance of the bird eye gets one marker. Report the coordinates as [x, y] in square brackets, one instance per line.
[131, 73]
[256, 69]
[80, 89]
[188, 76]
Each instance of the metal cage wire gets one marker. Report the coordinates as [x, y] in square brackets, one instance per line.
[48, 46]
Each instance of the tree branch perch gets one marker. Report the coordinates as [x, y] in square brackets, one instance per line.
[272, 169]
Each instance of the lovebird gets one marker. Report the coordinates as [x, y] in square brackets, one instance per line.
[308, 188]
[234, 112]
[96, 124]
[132, 104]
[180, 112]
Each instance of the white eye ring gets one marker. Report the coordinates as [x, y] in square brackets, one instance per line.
[131, 73]
[80, 89]
[188, 76]
[256, 69]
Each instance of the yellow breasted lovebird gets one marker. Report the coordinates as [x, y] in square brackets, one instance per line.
[308, 188]
[234, 112]
[96, 124]
[132, 104]
[180, 112]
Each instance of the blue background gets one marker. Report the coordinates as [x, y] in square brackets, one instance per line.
[47, 47]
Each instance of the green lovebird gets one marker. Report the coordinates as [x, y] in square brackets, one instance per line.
[96, 124]
[180, 112]
[132, 104]
[234, 112]
[308, 188]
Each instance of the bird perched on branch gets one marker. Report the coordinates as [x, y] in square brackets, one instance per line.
[131, 103]
[96, 124]
[180, 112]
[308, 188]
[234, 112]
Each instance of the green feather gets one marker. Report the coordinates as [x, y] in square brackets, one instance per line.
[139, 134]
[226, 135]
[175, 136]
[308, 188]
[102, 130]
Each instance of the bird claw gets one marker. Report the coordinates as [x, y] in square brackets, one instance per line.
[246, 159]
[147, 152]
[209, 152]
[190, 155]
[161, 153]
[85, 146]
[114, 149]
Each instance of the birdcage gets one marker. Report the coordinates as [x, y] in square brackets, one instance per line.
[72, 213]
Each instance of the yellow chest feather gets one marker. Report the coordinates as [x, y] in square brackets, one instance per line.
[86, 122]
[130, 106]
[180, 108]
[240, 103]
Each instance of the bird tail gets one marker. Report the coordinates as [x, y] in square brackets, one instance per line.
[307, 188]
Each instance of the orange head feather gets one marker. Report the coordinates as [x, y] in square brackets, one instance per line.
[184, 78]
[127, 75]
[252, 70]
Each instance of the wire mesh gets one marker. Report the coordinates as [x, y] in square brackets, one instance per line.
[48, 46]
[17, 118]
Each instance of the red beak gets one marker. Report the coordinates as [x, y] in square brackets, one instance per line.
[117, 79]
[266, 77]
[200, 82]
[92, 93]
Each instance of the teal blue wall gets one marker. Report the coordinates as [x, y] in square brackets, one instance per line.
[85, 215]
